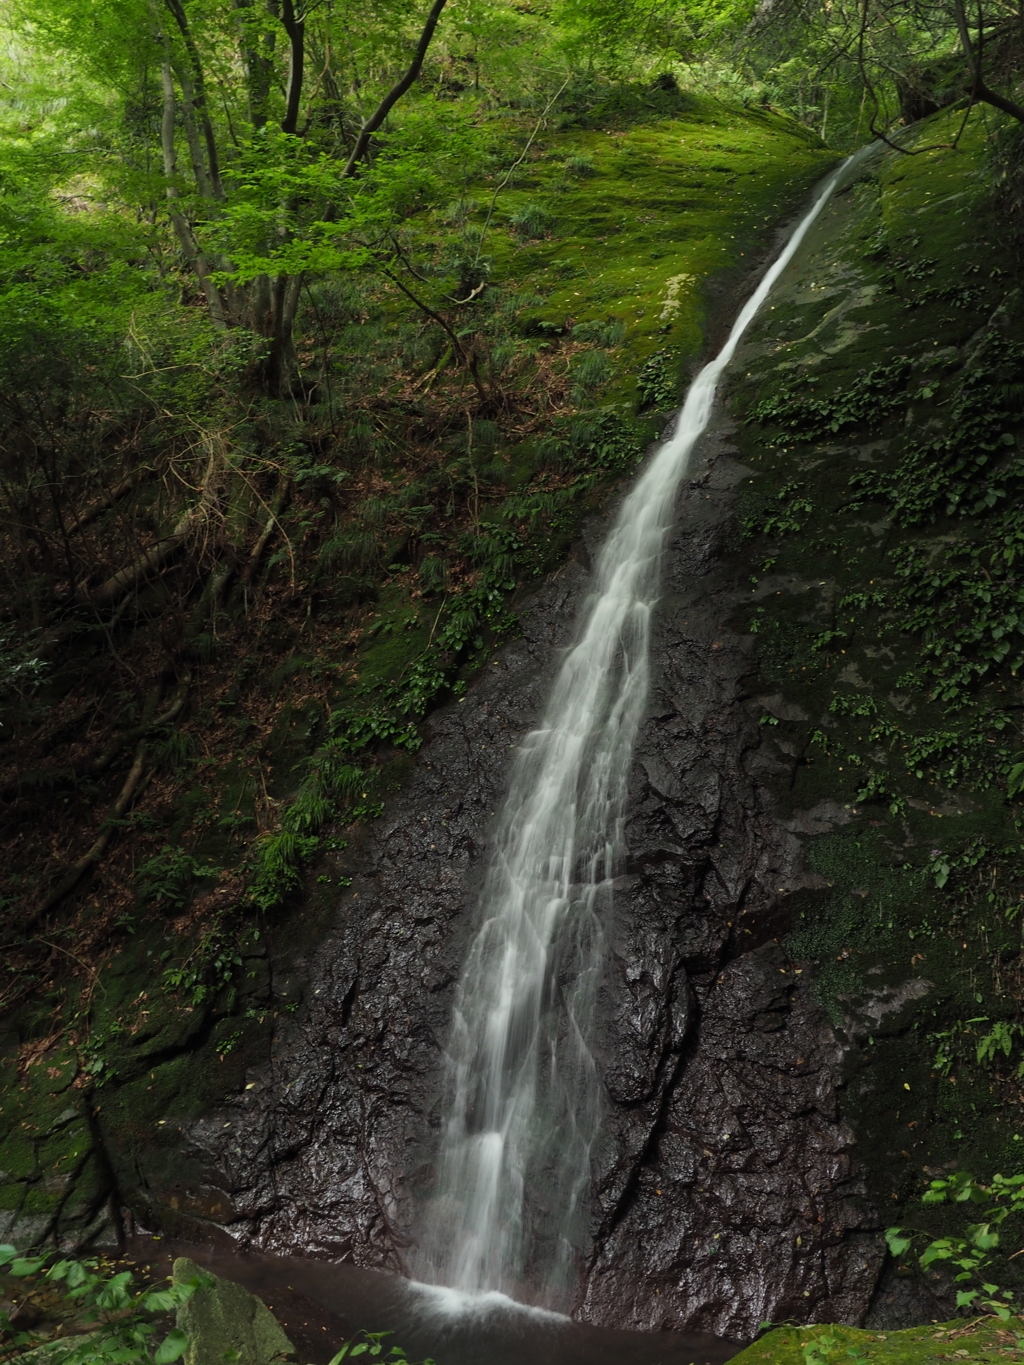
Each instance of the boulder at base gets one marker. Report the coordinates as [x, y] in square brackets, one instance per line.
[224, 1322]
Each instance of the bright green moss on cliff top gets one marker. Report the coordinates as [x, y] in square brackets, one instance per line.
[631, 223]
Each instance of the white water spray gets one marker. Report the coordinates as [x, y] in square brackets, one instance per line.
[525, 1097]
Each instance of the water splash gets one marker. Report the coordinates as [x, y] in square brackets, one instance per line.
[439, 1302]
[525, 1098]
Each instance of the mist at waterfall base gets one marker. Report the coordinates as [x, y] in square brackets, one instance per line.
[510, 1212]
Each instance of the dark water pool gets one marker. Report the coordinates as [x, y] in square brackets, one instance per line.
[320, 1305]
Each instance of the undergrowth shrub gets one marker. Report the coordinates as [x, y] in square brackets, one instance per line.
[115, 1323]
[532, 220]
[657, 384]
[868, 400]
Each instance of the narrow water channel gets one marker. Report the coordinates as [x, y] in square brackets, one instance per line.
[525, 1099]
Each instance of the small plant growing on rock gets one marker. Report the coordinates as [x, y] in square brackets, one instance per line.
[822, 1349]
[372, 1344]
[970, 1254]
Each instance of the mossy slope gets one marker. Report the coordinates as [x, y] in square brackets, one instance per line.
[880, 393]
[650, 215]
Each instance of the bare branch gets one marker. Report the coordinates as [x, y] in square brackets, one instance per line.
[396, 92]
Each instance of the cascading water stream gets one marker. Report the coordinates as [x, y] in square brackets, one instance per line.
[524, 1094]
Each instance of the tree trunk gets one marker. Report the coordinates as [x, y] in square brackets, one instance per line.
[194, 88]
[258, 62]
[296, 30]
[182, 227]
[280, 369]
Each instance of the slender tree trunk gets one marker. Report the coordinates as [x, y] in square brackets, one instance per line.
[182, 227]
[188, 120]
[280, 367]
[257, 60]
[296, 30]
[196, 97]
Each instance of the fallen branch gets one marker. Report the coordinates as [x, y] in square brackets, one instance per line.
[271, 524]
[103, 762]
[94, 767]
[107, 501]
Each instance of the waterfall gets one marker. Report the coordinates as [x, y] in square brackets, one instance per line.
[524, 1095]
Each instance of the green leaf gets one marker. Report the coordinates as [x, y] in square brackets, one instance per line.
[897, 1240]
[26, 1266]
[982, 1236]
[939, 1250]
[78, 1275]
[172, 1346]
[114, 1294]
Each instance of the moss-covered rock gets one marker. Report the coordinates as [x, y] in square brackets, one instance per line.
[224, 1322]
[989, 1340]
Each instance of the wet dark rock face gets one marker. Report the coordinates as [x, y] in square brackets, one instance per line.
[735, 1198]
[727, 1190]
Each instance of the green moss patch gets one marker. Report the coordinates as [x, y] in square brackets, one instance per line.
[989, 1340]
[658, 211]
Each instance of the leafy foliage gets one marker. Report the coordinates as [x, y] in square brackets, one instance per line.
[118, 1318]
[868, 400]
[372, 1344]
[657, 384]
[776, 515]
[972, 1254]
[167, 877]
